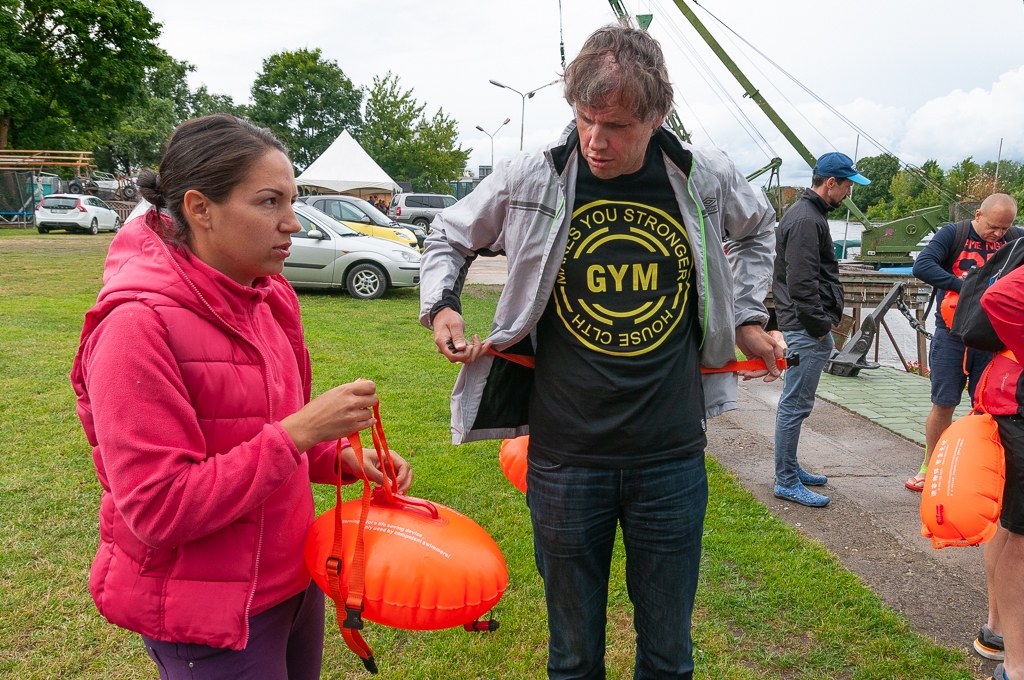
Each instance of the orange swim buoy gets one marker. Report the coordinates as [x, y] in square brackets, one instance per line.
[948, 307]
[512, 458]
[402, 562]
[963, 492]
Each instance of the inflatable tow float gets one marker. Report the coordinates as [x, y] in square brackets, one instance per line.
[963, 492]
[402, 562]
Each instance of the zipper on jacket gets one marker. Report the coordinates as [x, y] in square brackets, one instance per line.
[255, 577]
[704, 254]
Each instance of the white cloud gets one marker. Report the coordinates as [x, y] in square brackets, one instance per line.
[962, 124]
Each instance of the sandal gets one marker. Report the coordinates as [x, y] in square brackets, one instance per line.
[915, 484]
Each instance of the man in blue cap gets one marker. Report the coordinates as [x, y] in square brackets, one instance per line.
[808, 302]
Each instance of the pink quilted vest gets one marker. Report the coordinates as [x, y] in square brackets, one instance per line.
[205, 497]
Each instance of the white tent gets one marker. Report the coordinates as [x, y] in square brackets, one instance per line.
[346, 168]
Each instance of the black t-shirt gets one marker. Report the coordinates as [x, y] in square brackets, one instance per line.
[617, 380]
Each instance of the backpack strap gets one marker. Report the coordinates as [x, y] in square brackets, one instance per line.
[963, 230]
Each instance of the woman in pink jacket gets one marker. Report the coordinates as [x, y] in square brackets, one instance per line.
[193, 384]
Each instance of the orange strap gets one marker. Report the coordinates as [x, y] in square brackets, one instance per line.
[521, 359]
[349, 616]
[748, 365]
[731, 367]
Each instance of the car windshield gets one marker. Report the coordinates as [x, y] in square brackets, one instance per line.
[336, 226]
[66, 203]
[376, 216]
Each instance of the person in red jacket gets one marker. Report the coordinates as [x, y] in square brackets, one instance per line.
[193, 385]
[1002, 393]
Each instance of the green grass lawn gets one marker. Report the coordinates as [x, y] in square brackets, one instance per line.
[771, 603]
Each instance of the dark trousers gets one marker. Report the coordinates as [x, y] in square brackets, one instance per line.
[286, 642]
[575, 512]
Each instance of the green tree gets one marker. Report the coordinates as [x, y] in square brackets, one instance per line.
[69, 67]
[880, 170]
[306, 101]
[139, 136]
[405, 143]
[204, 103]
[967, 180]
[911, 190]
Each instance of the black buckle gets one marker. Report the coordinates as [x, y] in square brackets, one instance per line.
[488, 626]
[793, 359]
[336, 568]
[353, 618]
[369, 664]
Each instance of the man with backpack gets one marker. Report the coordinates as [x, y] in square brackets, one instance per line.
[953, 252]
[1003, 397]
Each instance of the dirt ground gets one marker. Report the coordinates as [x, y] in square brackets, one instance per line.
[872, 523]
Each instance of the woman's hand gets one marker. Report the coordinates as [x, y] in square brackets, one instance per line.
[371, 465]
[336, 413]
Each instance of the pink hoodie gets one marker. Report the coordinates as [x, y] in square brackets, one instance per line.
[183, 377]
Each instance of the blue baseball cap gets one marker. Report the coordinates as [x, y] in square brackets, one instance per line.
[839, 165]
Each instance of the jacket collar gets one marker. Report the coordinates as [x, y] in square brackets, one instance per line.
[666, 139]
[817, 201]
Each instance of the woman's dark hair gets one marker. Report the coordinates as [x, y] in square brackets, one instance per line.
[211, 155]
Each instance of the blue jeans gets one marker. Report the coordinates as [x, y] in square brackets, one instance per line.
[575, 512]
[798, 388]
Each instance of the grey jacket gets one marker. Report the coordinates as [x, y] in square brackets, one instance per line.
[523, 210]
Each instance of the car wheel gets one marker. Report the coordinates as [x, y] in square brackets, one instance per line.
[74, 188]
[129, 192]
[421, 222]
[366, 281]
[43, 230]
[94, 228]
[117, 225]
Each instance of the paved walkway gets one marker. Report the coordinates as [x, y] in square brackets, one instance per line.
[896, 400]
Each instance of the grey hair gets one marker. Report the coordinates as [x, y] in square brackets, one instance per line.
[623, 60]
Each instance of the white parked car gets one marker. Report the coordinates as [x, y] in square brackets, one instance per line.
[327, 254]
[75, 213]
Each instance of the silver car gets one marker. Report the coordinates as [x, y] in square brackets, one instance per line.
[418, 209]
[327, 254]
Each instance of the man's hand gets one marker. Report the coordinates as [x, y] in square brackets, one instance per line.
[449, 336]
[754, 342]
[779, 338]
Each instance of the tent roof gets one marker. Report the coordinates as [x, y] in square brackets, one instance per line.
[345, 166]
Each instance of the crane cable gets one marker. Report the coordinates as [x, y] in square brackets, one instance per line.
[780, 92]
[561, 37]
[719, 90]
[909, 166]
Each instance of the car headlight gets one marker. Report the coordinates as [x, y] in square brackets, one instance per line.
[407, 255]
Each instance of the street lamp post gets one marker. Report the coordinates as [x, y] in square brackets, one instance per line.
[491, 135]
[528, 95]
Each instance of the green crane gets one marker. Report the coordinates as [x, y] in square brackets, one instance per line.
[888, 243]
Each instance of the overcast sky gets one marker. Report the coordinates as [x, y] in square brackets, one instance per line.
[939, 79]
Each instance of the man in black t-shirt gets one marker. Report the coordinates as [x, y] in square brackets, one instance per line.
[620, 289]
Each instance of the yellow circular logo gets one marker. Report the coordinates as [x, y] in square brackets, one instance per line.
[625, 278]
